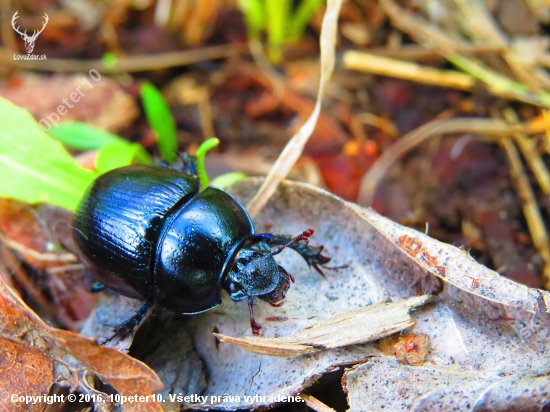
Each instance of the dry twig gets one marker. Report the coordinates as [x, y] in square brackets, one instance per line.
[126, 64]
[39, 256]
[531, 210]
[315, 403]
[491, 127]
[415, 52]
[432, 37]
[386, 66]
[23, 279]
[364, 325]
[531, 155]
[295, 146]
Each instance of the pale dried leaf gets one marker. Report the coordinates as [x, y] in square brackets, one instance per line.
[457, 267]
[442, 388]
[465, 331]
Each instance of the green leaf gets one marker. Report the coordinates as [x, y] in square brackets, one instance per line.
[227, 179]
[33, 167]
[82, 136]
[161, 121]
[118, 155]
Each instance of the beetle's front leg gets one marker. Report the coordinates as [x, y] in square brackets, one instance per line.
[311, 254]
[189, 164]
[253, 324]
[185, 164]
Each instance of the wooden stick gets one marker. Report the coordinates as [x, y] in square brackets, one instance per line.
[386, 66]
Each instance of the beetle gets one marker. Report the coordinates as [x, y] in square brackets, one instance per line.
[148, 232]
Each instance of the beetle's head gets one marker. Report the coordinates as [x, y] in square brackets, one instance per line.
[256, 274]
[251, 271]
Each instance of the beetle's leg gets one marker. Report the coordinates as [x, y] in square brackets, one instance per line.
[311, 254]
[97, 287]
[127, 327]
[255, 326]
[189, 165]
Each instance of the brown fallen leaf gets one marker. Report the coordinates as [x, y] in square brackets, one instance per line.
[25, 371]
[34, 233]
[101, 103]
[36, 356]
[351, 328]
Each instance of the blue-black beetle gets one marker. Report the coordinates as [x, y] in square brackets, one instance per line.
[147, 232]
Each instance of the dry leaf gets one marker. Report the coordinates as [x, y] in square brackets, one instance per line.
[104, 104]
[37, 356]
[457, 267]
[384, 383]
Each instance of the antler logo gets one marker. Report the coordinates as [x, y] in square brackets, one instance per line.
[29, 40]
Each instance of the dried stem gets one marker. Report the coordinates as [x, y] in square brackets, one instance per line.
[531, 155]
[295, 146]
[531, 210]
[315, 403]
[39, 256]
[28, 285]
[400, 69]
[432, 37]
[492, 127]
[126, 64]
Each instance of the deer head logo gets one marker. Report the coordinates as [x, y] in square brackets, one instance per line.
[29, 40]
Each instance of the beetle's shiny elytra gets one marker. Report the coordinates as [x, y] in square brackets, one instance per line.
[147, 232]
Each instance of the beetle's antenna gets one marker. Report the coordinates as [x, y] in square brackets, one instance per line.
[305, 235]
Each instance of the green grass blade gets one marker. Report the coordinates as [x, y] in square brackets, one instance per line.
[498, 83]
[161, 121]
[82, 136]
[277, 14]
[302, 17]
[227, 179]
[118, 155]
[109, 60]
[201, 154]
[254, 13]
